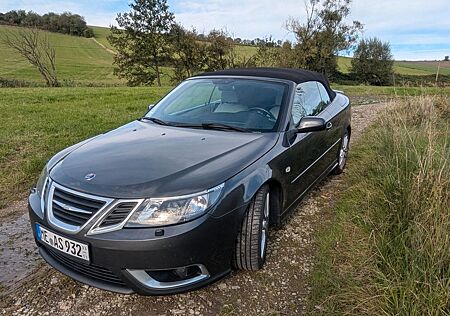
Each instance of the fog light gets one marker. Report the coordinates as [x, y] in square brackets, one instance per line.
[171, 278]
[175, 275]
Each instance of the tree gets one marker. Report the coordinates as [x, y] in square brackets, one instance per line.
[35, 48]
[286, 55]
[267, 55]
[323, 35]
[446, 58]
[66, 22]
[373, 62]
[88, 32]
[188, 53]
[142, 42]
[219, 50]
[32, 19]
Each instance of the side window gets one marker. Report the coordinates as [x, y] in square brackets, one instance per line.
[324, 94]
[298, 107]
[307, 101]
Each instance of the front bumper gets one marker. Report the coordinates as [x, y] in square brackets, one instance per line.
[119, 258]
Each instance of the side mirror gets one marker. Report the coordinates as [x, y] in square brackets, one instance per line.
[312, 124]
[150, 106]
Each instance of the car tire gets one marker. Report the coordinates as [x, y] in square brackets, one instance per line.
[251, 243]
[342, 153]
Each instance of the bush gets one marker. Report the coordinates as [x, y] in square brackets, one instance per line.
[88, 32]
[14, 83]
[373, 63]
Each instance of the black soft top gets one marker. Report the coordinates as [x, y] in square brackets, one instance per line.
[296, 75]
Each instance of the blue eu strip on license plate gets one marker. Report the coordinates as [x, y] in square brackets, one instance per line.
[38, 232]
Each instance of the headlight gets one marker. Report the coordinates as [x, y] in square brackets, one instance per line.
[174, 210]
[41, 189]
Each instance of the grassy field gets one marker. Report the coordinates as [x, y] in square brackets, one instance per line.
[424, 67]
[77, 59]
[38, 122]
[385, 248]
[415, 68]
[101, 34]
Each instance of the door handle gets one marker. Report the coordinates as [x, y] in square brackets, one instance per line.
[329, 125]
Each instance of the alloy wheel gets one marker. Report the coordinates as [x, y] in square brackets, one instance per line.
[343, 151]
[265, 227]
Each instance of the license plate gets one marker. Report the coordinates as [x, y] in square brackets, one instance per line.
[68, 246]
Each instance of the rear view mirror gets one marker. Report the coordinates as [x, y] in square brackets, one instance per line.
[312, 124]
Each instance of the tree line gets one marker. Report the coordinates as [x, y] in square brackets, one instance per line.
[148, 39]
[66, 23]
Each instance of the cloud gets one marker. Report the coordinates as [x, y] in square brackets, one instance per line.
[404, 23]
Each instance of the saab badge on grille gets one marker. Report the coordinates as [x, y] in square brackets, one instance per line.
[89, 176]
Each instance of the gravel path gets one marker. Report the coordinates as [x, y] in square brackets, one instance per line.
[31, 287]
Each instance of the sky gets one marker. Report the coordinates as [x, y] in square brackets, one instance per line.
[416, 29]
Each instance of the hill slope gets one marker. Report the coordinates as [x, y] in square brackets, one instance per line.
[415, 68]
[101, 35]
[77, 59]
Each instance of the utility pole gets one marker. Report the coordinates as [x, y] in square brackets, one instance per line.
[437, 73]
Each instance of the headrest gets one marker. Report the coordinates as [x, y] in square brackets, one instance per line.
[264, 97]
[229, 96]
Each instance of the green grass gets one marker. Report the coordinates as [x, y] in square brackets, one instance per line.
[422, 67]
[77, 59]
[38, 122]
[415, 68]
[385, 248]
[101, 35]
[246, 51]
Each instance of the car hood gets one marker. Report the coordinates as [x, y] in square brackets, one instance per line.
[143, 159]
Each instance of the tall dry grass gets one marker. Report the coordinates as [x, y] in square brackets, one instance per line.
[388, 251]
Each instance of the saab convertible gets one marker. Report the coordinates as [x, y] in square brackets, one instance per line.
[176, 199]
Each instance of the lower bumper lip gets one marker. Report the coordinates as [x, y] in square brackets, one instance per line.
[152, 286]
[83, 278]
[128, 253]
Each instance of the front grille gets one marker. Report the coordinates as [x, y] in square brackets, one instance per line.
[118, 214]
[74, 209]
[90, 270]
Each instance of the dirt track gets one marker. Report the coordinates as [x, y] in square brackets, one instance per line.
[29, 286]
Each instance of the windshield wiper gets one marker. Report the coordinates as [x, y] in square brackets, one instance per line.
[224, 126]
[156, 120]
[202, 125]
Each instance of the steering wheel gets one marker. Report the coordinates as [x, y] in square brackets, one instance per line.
[264, 112]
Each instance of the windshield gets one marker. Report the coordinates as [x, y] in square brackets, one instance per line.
[240, 104]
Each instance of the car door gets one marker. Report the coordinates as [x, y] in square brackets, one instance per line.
[337, 122]
[307, 149]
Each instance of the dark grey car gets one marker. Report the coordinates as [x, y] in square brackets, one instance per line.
[172, 201]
